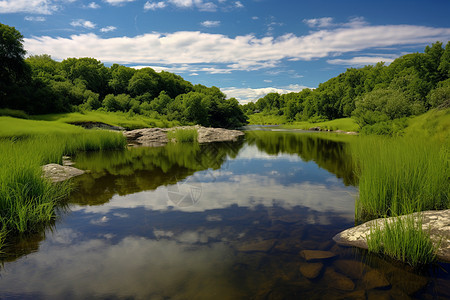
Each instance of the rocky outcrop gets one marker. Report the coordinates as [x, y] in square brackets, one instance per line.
[158, 136]
[437, 223]
[57, 173]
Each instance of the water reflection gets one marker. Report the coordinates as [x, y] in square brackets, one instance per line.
[261, 202]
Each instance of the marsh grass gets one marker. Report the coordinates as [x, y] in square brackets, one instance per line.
[400, 175]
[27, 200]
[183, 135]
[404, 239]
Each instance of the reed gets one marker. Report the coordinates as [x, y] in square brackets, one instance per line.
[27, 200]
[183, 135]
[404, 239]
[400, 175]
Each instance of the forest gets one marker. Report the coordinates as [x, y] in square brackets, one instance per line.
[40, 85]
[379, 98]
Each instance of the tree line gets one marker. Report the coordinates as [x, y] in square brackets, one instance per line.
[378, 97]
[40, 85]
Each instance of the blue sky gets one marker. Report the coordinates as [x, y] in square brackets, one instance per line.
[247, 48]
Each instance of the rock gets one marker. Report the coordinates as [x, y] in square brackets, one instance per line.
[352, 268]
[312, 255]
[158, 136]
[256, 246]
[356, 295]
[436, 222]
[58, 173]
[338, 281]
[311, 270]
[408, 282]
[315, 128]
[378, 295]
[375, 280]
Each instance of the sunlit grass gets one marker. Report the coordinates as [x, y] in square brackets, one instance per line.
[112, 118]
[183, 135]
[400, 175]
[27, 200]
[344, 124]
[404, 239]
[263, 119]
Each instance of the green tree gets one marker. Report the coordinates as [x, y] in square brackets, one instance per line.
[14, 72]
[145, 80]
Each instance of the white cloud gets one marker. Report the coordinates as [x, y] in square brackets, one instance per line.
[238, 4]
[154, 5]
[320, 22]
[210, 23]
[361, 60]
[108, 29]
[93, 5]
[45, 7]
[182, 3]
[255, 18]
[35, 19]
[223, 53]
[118, 2]
[245, 95]
[83, 23]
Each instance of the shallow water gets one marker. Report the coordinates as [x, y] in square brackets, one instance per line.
[216, 221]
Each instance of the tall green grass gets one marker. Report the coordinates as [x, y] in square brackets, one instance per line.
[27, 200]
[404, 239]
[183, 135]
[345, 124]
[400, 175]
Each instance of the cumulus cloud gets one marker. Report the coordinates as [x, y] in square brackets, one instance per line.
[108, 29]
[221, 53]
[83, 23]
[238, 4]
[210, 23]
[93, 5]
[245, 95]
[361, 60]
[154, 5]
[35, 19]
[320, 22]
[45, 7]
[118, 2]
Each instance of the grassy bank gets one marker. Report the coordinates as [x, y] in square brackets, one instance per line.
[400, 175]
[112, 118]
[28, 201]
[345, 124]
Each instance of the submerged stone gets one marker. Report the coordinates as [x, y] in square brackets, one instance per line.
[256, 246]
[312, 255]
[375, 280]
[311, 270]
[351, 268]
[338, 281]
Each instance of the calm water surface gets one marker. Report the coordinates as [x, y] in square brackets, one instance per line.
[215, 221]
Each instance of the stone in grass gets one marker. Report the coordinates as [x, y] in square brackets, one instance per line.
[375, 280]
[338, 281]
[311, 270]
[314, 255]
[57, 173]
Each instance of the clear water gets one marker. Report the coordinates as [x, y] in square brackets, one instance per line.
[216, 221]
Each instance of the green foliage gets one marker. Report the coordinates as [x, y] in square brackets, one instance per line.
[409, 86]
[183, 135]
[404, 239]
[400, 175]
[27, 200]
[13, 113]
